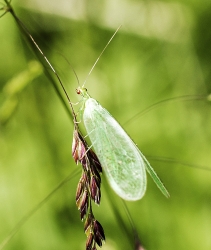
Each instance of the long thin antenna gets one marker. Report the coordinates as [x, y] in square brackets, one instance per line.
[10, 9]
[100, 55]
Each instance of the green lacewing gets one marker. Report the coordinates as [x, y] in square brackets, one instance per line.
[123, 163]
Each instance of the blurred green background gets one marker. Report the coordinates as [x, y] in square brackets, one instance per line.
[162, 51]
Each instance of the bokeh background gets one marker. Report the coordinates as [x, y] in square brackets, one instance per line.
[162, 51]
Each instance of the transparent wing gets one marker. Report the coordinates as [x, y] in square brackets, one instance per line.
[155, 177]
[121, 161]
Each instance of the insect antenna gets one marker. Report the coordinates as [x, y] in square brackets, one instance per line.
[101, 55]
[22, 25]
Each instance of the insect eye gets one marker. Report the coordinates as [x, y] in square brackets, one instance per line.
[78, 91]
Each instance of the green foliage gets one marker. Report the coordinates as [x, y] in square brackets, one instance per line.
[156, 55]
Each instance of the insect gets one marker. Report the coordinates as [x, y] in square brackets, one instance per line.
[123, 163]
[184, 183]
